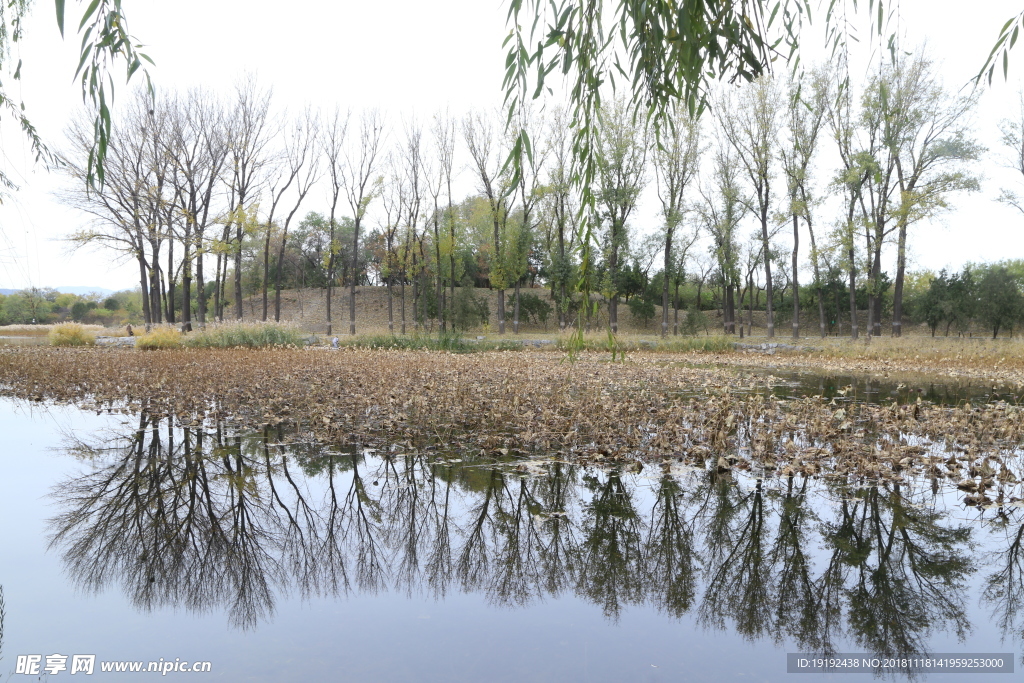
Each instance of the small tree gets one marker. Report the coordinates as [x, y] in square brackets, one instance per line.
[1000, 303]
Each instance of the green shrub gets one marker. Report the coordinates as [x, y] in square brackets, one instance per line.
[159, 338]
[71, 334]
[79, 309]
[470, 310]
[642, 310]
[532, 309]
[693, 323]
[249, 335]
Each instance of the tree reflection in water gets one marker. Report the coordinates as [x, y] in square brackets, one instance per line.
[212, 520]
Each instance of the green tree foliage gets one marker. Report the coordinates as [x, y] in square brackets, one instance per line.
[642, 309]
[1000, 303]
[470, 310]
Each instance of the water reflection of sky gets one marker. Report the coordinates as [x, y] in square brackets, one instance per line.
[297, 562]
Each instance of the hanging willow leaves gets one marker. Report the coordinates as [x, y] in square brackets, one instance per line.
[1000, 52]
[105, 42]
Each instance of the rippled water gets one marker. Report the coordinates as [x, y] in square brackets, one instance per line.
[135, 539]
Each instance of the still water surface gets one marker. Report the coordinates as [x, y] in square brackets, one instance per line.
[132, 539]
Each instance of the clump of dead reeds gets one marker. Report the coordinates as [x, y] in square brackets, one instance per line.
[159, 338]
[71, 334]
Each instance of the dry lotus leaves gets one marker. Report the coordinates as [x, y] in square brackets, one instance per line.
[642, 411]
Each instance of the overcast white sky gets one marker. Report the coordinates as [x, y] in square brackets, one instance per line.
[410, 57]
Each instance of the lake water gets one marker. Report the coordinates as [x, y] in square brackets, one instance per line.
[135, 540]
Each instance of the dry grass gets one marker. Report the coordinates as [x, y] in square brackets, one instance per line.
[41, 330]
[999, 361]
[250, 335]
[499, 402]
[159, 338]
[71, 334]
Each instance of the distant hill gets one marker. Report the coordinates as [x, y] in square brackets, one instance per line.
[81, 291]
[85, 290]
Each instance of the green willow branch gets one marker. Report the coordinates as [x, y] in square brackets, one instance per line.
[105, 41]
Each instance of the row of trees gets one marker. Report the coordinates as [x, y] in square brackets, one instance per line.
[194, 180]
[44, 305]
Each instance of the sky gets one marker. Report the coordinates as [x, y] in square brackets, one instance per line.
[410, 59]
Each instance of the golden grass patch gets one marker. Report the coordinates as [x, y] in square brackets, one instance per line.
[159, 338]
[71, 334]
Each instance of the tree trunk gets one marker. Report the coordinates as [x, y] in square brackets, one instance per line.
[664, 288]
[729, 310]
[796, 281]
[770, 301]
[675, 308]
[216, 289]
[169, 279]
[147, 314]
[515, 310]
[853, 294]
[154, 291]
[200, 288]
[331, 265]
[415, 295]
[266, 271]
[238, 271]
[186, 288]
[897, 292]
[391, 308]
[277, 275]
[402, 303]
[441, 326]
[750, 307]
[501, 311]
[352, 284]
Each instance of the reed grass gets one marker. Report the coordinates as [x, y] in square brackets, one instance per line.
[40, 330]
[159, 338]
[246, 335]
[71, 334]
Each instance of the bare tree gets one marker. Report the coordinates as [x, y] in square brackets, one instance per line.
[676, 157]
[127, 210]
[719, 214]
[333, 141]
[250, 131]
[392, 195]
[480, 136]
[805, 119]
[444, 132]
[197, 148]
[304, 166]
[358, 181]
[751, 125]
